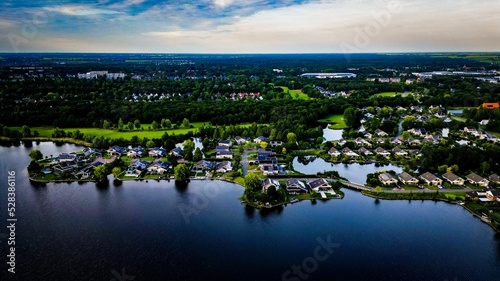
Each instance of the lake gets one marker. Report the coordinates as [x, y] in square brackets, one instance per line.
[332, 135]
[159, 231]
[353, 172]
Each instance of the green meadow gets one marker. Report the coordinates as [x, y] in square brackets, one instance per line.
[336, 122]
[295, 94]
[385, 95]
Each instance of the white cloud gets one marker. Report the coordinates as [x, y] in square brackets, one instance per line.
[80, 10]
[221, 4]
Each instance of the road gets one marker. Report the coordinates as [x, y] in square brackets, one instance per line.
[244, 161]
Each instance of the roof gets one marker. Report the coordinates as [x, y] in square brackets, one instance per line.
[475, 177]
[490, 105]
[406, 177]
[317, 182]
[429, 177]
[494, 177]
[451, 176]
[386, 177]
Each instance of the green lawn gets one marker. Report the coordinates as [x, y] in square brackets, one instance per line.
[127, 135]
[386, 94]
[336, 121]
[295, 94]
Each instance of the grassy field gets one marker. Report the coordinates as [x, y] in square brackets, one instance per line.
[386, 94]
[336, 121]
[127, 135]
[295, 94]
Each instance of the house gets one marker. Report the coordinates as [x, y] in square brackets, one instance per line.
[367, 135]
[267, 183]
[295, 186]
[416, 108]
[334, 152]
[495, 178]
[221, 148]
[67, 157]
[223, 167]
[259, 139]
[365, 152]
[226, 143]
[177, 152]
[135, 152]
[159, 168]
[490, 105]
[319, 185]
[88, 151]
[383, 152]
[477, 180]
[453, 179]
[157, 152]
[387, 179]
[398, 151]
[347, 151]
[205, 165]
[418, 131]
[479, 195]
[270, 169]
[362, 142]
[493, 195]
[408, 179]
[414, 142]
[396, 141]
[275, 143]
[224, 155]
[341, 142]
[239, 140]
[137, 167]
[470, 130]
[380, 133]
[431, 179]
[63, 167]
[116, 150]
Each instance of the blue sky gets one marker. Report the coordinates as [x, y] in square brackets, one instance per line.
[249, 26]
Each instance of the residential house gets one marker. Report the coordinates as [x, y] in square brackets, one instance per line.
[387, 179]
[479, 195]
[453, 179]
[159, 168]
[400, 152]
[408, 179]
[267, 183]
[471, 130]
[116, 150]
[477, 180]
[221, 148]
[240, 140]
[63, 167]
[418, 132]
[380, 133]
[259, 139]
[495, 178]
[416, 108]
[493, 195]
[365, 152]
[295, 186]
[341, 142]
[414, 142]
[334, 152]
[226, 154]
[396, 141]
[275, 143]
[362, 142]
[431, 179]
[383, 152]
[205, 165]
[223, 167]
[137, 167]
[67, 157]
[88, 151]
[319, 185]
[157, 152]
[177, 152]
[367, 135]
[226, 143]
[347, 151]
[270, 169]
[135, 152]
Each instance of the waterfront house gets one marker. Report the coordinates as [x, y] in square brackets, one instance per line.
[116, 150]
[453, 179]
[493, 195]
[383, 152]
[177, 152]
[63, 167]
[387, 179]
[205, 165]
[408, 179]
[137, 167]
[224, 167]
[334, 152]
[159, 168]
[267, 183]
[67, 157]
[365, 152]
[495, 178]
[319, 185]
[226, 154]
[477, 195]
[295, 186]
[398, 151]
[226, 143]
[431, 179]
[135, 152]
[477, 180]
[347, 151]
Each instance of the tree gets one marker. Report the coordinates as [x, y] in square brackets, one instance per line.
[197, 155]
[36, 155]
[185, 123]
[154, 125]
[106, 125]
[181, 173]
[442, 169]
[252, 182]
[352, 117]
[263, 144]
[34, 167]
[100, 172]
[150, 144]
[283, 151]
[130, 126]
[378, 189]
[166, 124]
[116, 172]
[485, 167]
[120, 124]
[291, 138]
[26, 131]
[137, 124]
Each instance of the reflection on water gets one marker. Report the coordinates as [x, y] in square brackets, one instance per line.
[332, 135]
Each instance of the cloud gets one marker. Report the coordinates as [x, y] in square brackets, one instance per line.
[80, 10]
[221, 4]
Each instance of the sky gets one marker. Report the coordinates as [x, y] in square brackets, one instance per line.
[250, 26]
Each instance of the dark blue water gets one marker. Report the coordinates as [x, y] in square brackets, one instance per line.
[157, 231]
